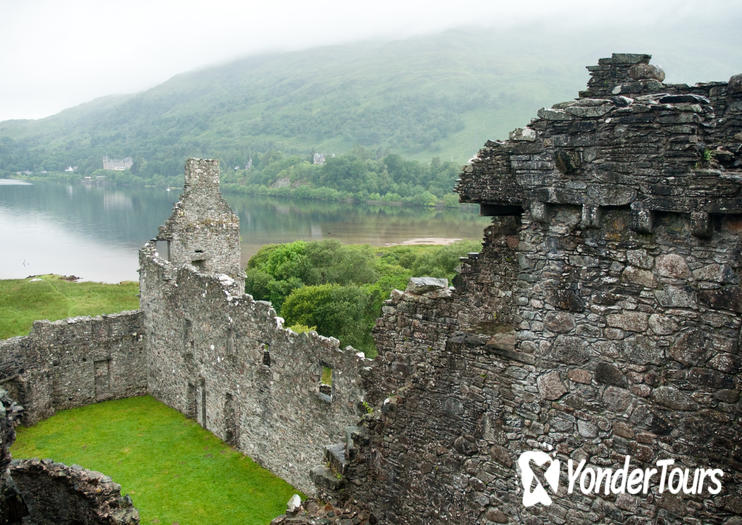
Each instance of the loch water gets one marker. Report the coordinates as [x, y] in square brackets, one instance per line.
[93, 231]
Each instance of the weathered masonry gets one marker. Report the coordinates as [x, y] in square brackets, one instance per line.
[601, 319]
[224, 359]
[200, 345]
[74, 362]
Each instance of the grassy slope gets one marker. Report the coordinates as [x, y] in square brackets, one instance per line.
[22, 301]
[174, 470]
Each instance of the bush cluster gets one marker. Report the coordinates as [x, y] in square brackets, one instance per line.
[339, 289]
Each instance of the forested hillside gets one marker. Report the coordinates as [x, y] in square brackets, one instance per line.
[394, 119]
[435, 96]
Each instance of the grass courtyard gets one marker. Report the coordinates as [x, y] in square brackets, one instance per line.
[175, 471]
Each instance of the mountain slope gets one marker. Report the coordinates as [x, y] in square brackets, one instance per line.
[420, 97]
[438, 95]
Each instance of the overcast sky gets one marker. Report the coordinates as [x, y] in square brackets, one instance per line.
[59, 53]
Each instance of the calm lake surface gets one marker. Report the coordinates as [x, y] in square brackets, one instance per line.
[94, 231]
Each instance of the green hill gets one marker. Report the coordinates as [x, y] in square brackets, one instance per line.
[438, 95]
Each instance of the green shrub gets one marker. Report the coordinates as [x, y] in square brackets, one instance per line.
[334, 309]
[340, 289]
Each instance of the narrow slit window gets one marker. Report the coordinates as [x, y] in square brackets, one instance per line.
[326, 388]
[191, 401]
[202, 387]
[188, 334]
[163, 249]
[231, 352]
[231, 434]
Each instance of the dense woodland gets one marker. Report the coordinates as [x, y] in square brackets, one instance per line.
[339, 289]
[355, 175]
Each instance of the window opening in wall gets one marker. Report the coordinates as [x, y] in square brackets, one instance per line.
[198, 259]
[202, 385]
[191, 401]
[266, 355]
[231, 435]
[163, 249]
[326, 388]
[231, 353]
[14, 387]
[102, 371]
[187, 334]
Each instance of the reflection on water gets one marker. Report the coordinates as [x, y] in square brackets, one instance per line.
[264, 221]
[35, 243]
[95, 231]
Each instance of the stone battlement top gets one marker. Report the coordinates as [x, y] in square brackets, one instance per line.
[629, 140]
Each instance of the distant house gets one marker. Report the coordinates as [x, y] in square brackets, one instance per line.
[70, 169]
[318, 158]
[117, 164]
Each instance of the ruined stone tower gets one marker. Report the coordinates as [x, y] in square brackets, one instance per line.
[224, 359]
[202, 231]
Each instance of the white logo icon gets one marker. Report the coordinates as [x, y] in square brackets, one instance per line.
[533, 495]
[594, 480]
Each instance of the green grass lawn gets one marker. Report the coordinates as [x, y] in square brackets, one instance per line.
[22, 301]
[174, 470]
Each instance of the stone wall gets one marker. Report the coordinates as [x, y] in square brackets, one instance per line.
[12, 507]
[55, 493]
[226, 361]
[202, 230]
[625, 314]
[486, 281]
[415, 324]
[74, 362]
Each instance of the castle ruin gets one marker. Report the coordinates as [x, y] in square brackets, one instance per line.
[117, 164]
[601, 320]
